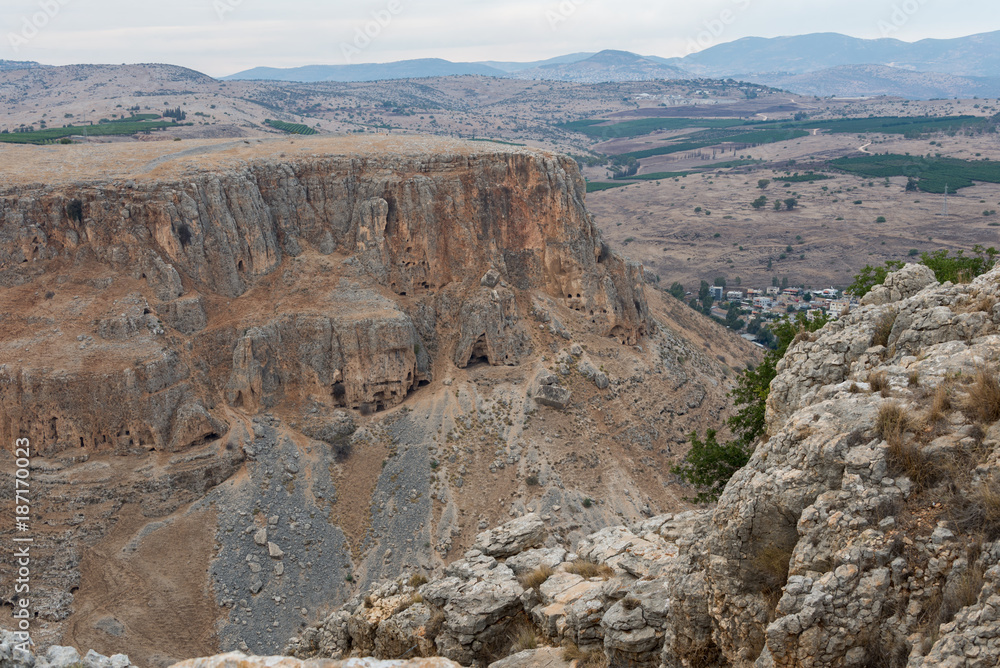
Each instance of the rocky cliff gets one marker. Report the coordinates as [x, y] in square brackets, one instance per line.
[865, 531]
[259, 376]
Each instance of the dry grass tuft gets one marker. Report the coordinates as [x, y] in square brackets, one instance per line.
[904, 458]
[433, 627]
[535, 578]
[586, 569]
[913, 380]
[594, 658]
[941, 403]
[854, 389]
[892, 422]
[978, 509]
[417, 581]
[879, 382]
[983, 399]
[769, 572]
[524, 638]
[630, 603]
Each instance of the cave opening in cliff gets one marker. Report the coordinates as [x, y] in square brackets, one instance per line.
[480, 353]
[238, 402]
[339, 392]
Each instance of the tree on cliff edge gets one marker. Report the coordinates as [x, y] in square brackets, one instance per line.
[710, 464]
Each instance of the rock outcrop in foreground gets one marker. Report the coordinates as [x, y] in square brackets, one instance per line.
[865, 531]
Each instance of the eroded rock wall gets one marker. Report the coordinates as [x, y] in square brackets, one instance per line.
[426, 228]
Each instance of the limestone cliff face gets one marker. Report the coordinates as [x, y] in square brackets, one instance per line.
[427, 228]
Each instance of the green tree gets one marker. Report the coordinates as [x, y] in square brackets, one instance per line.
[720, 281]
[759, 203]
[677, 290]
[733, 314]
[705, 295]
[791, 203]
[709, 464]
[784, 282]
[871, 276]
[777, 205]
[763, 183]
[960, 268]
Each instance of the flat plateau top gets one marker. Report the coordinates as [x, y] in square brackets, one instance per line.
[64, 164]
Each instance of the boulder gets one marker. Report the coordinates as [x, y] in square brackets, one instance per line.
[514, 537]
[554, 396]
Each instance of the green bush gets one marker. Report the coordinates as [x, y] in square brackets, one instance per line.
[709, 464]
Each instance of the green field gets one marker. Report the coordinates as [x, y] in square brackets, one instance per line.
[656, 176]
[136, 117]
[729, 164]
[803, 178]
[598, 186]
[932, 174]
[644, 126]
[104, 129]
[291, 128]
[916, 125]
[714, 137]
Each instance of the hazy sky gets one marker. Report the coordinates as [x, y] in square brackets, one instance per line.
[222, 37]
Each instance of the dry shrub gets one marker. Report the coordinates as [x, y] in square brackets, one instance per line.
[502, 641]
[913, 380]
[883, 328]
[983, 399]
[961, 593]
[854, 389]
[882, 653]
[630, 603]
[944, 604]
[978, 509]
[433, 627]
[524, 638]
[535, 578]
[879, 382]
[982, 303]
[941, 403]
[904, 458]
[587, 570]
[417, 580]
[407, 603]
[892, 422]
[769, 572]
[593, 658]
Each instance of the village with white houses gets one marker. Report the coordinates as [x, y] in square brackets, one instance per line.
[775, 302]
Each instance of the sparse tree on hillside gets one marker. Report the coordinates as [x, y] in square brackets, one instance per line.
[763, 183]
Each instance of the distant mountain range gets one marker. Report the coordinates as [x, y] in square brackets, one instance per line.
[818, 64]
[875, 80]
[975, 56]
[404, 69]
[17, 64]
